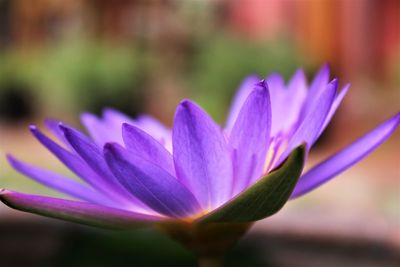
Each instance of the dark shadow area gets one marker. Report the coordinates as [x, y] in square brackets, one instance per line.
[46, 243]
[16, 102]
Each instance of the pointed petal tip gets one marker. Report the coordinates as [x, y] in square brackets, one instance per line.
[33, 128]
[301, 150]
[11, 160]
[186, 103]
[334, 82]
[126, 126]
[69, 132]
[108, 146]
[111, 148]
[303, 147]
[63, 127]
[346, 87]
[299, 73]
[323, 73]
[263, 89]
[326, 66]
[36, 132]
[396, 119]
[3, 196]
[262, 83]
[393, 122]
[66, 131]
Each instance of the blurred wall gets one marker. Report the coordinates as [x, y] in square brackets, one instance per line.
[359, 38]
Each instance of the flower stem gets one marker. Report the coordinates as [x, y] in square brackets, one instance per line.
[208, 241]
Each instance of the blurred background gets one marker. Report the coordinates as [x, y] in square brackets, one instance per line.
[60, 58]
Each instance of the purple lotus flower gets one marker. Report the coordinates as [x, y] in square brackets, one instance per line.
[136, 171]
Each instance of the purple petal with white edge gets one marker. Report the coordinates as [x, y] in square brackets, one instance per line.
[249, 138]
[76, 211]
[336, 103]
[201, 155]
[243, 92]
[144, 145]
[308, 130]
[317, 86]
[345, 158]
[58, 182]
[151, 184]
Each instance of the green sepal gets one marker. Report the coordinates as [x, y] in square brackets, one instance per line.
[265, 197]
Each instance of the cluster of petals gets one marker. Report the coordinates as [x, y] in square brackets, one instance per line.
[138, 169]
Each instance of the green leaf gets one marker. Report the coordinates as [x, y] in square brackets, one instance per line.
[264, 198]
